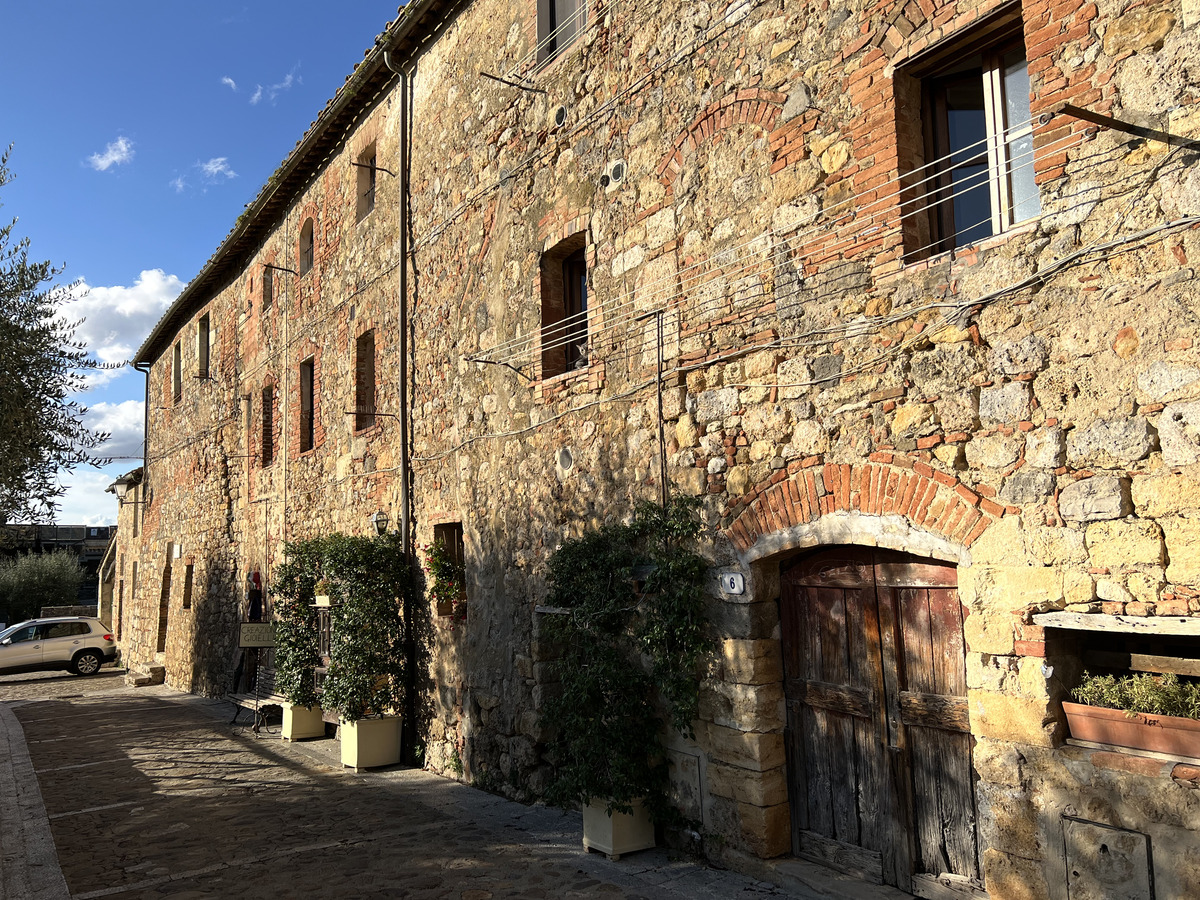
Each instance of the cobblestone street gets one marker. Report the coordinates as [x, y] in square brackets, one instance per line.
[151, 793]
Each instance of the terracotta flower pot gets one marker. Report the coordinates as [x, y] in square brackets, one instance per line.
[1142, 731]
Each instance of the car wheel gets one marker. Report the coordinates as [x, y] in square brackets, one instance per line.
[87, 663]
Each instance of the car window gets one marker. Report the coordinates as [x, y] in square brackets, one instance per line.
[28, 633]
[66, 629]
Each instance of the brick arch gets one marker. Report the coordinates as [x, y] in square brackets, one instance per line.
[750, 106]
[935, 503]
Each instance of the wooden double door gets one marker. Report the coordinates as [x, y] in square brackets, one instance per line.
[879, 748]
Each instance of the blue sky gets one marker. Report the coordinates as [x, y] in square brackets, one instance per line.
[140, 131]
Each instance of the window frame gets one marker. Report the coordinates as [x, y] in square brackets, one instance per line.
[177, 372]
[366, 181]
[564, 287]
[267, 445]
[550, 44]
[307, 383]
[203, 346]
[980, 52]
[364, 381]
[308, 246]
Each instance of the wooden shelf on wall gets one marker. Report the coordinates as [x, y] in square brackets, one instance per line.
[1186, 626]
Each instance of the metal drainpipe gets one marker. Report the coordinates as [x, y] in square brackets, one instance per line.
[405, 475]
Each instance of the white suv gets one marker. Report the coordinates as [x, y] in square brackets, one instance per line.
[78, 644]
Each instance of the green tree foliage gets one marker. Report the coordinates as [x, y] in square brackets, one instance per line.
[34, 580]
[43, 368]
[633, 640]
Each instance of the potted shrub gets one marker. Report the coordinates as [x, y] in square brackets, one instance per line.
[322, 592]
[1143, 712]
[365, 683]
[296, 652]
[627, 604]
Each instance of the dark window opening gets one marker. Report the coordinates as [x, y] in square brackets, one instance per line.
[565, 307]
[177, 373]
[203, 345]
[268, 425]
[450, 536]
[188, 573]
[306, 247]
[364, 381]
[307, 416]
[164, 606]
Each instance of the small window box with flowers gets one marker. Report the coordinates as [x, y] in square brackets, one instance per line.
[447, 580]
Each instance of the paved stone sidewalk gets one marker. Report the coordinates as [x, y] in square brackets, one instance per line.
[152, 794]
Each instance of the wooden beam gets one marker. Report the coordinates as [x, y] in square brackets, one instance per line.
[1141, 662]
[1180, 625]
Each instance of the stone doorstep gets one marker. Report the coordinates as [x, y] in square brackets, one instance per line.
[809, 880]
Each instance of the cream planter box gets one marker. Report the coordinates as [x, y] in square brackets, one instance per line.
[302, 722]
[618, 833]
[370, 742]
[322, 600]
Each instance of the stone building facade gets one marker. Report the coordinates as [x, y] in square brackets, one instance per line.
[904, 290]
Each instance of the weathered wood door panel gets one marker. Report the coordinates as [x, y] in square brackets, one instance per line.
[879, 750]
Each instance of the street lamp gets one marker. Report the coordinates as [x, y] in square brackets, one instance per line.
[381, 522]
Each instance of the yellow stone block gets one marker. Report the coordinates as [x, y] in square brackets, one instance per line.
[1122, 544]
[1004, 717]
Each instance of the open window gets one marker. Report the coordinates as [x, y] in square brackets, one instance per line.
[306, 247]
[564, 287]
[972, 165]
[366, 170]
[560, 22]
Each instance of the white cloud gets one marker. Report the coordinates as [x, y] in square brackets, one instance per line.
[272, 91]
[124, 422]
[117, 153]
[217, 167]
[178, 183]
[226, 80]
[84, 501]
[117, 319]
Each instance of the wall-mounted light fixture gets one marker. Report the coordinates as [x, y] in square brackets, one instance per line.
[381, 522]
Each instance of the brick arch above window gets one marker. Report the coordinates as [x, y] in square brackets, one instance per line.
[751, 106]
[931, 502]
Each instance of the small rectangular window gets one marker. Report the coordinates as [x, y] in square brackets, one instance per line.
[307, 415]
[188, 571]
[268, 425]
[450, 536]
[564, 290]
[133, 582]
[364, 381]
[177, 372]
[365, 181]
[307, 250]
[973, 170]
[137, 514]
[268, 288]
[203, 346]
[560, 22]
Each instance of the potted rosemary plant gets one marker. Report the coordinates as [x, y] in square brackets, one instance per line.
[1143, 712]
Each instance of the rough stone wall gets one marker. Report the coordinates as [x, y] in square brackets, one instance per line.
[209, 492]
[1001, 407]
[1023, 408]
